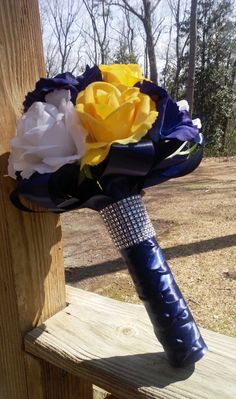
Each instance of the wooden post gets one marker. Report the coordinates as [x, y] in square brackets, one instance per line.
[32, 285]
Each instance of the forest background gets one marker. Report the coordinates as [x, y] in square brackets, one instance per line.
[186, 46]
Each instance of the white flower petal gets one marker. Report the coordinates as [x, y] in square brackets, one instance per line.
[47, 137]
[197, 122]
[26, 173]
[183, 105]
[61, 160]
[55, 97]
[74, 129]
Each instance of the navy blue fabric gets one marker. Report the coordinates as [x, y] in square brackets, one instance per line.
[62, 81]
[171, 318]
[170, 123]
[127, 171]
[39, 190]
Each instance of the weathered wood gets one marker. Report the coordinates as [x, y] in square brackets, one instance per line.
[59, 384]
[113, 344]
[32, 284]
[54, 383]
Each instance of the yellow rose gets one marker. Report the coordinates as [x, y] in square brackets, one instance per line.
[109, 115]
[121, 74]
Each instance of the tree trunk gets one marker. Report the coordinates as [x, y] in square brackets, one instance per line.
[227, 119]
[167, 56]
[192, 55]
[150, 42]
[175, 89]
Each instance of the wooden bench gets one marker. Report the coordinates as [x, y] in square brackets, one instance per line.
[49, 350]
[112, 344]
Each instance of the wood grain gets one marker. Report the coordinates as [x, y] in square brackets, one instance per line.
[32, 286]
[59, 384]
[54, 383]
[113, 344]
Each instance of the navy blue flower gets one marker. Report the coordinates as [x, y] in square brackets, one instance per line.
[89, 76]
[171, 123]
[62, 81]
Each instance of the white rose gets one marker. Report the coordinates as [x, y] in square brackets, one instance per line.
[48, 136]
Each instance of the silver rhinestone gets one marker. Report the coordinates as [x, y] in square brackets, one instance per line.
[128, 222]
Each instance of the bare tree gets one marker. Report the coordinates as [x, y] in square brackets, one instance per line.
[125, 36]
[178, 9]
[146, 63]
[63, 18]
[130, 35]
[51, 56]
[192, 54]
[145, 15]
[99, 13]
[167, 56]
[127, 32]
[50, 46]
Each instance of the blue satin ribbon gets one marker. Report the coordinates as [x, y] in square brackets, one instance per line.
[172, 321]
[127, 170]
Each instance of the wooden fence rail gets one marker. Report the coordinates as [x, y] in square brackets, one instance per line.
[32, 286]
[112, 343]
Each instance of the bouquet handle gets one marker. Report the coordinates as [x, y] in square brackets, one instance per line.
[132, 232]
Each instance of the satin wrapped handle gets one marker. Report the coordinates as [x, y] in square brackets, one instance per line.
[171, 318]
[130, 227]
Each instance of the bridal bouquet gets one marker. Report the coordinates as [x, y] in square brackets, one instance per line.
[97, 140]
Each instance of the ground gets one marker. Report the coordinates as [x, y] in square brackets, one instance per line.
[195, 221]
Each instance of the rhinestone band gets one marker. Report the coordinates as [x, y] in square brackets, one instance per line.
[128, 222]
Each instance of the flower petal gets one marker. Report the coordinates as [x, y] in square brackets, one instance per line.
[47, 137]
[121, 74]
